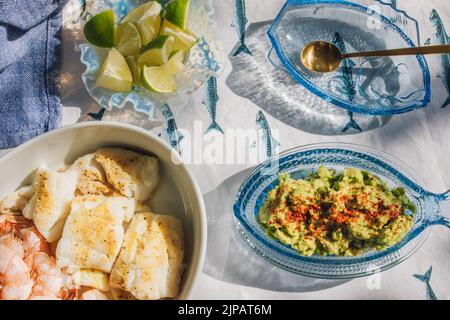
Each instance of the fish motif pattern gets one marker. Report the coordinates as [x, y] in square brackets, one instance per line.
[425, 278]
[240, 24]
[270, 143]
[344, 81]
[98, 116]
[352, 124]
[173, 135]
[442, 38]
[210, 100]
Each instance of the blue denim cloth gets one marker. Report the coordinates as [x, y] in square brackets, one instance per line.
[29, 69]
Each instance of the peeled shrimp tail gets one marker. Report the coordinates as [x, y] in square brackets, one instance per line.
[47, 276]
[15, 281]
[33, 241]
[13, 224]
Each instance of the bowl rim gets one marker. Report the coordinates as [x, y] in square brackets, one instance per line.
[250, 236]
[198, 265]
[361, 109]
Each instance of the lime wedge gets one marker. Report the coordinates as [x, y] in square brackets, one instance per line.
[157, 80]
[145, 10]
[183, 39]
[135, 69]
[149, 28]
[175, 64]
[160, 79]
[147, 19]
[157, 52]
[114, 73]
[99, 30]
[128, 39]
[177, 12]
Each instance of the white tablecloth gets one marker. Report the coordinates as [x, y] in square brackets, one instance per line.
[419, 138]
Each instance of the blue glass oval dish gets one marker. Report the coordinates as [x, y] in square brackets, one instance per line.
[300, 162]
[203, 61]
[373, 86]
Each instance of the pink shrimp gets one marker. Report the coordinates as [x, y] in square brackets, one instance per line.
[10, 223]
[15, 202]
[14, 244]
[27, 269]
[44, 298]
[69, 293]
[33, 241]
[47, 277]
[15, 281]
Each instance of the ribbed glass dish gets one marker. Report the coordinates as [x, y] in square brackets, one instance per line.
[204, 61]
[373, 86]
[299, 162]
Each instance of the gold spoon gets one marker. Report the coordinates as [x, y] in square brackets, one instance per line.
[321, 56]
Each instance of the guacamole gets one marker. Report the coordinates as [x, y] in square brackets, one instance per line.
[331, 213]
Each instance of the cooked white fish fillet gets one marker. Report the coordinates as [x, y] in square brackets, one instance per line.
[150, 262]
[132, 174]
[93, 232]
[119, 294]
[16, 201]
[91, 177]
[91, 278]
[50, 204]
[94, 294]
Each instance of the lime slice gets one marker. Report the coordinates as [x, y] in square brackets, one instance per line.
[114, 73]
[135, 69]
[183, 39]
[99, 30]
[156, 52]
[156, 79]
[149, 28]
[160, 79]
[175, 64]
[177, 12]
[147, 19]
[128, 39]
[145, 10]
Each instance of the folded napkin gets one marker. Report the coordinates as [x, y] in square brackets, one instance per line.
[29, 69]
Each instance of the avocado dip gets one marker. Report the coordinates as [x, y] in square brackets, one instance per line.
[341, 214]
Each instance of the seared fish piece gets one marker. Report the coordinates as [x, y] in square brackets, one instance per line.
[50, 204]
[132, 174]
[91, 177]
[91, 278]
[93, 232]
[16, 201]
[150, 262]
[119, 294]
[94, 294]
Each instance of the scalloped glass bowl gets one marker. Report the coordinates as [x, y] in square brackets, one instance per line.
[299, 162]
[383, 85]
[202, 62]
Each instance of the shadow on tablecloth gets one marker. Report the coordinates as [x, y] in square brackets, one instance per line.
[230, 259]
[255, 78]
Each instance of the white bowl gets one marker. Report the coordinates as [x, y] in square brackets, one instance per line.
[178, 194]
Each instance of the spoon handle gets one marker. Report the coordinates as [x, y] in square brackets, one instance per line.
[401, 52]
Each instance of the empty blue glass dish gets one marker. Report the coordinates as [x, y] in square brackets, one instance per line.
[299, 162]
[373, 86]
